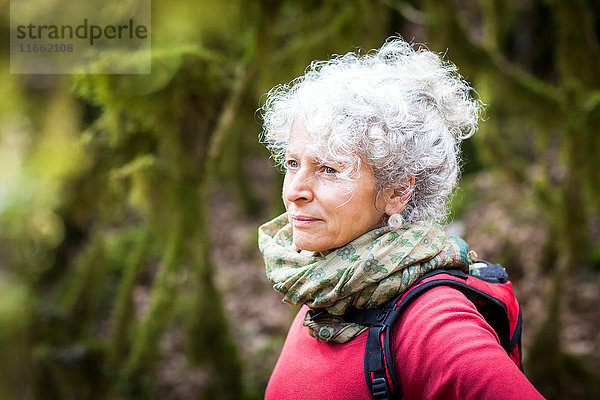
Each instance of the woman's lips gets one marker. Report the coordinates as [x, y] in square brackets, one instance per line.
[303, 220]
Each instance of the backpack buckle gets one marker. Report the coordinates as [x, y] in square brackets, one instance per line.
[380, 388]
[386, 317]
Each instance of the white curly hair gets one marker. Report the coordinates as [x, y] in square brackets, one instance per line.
[400, 109]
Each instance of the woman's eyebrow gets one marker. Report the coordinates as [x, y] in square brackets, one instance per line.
[312, 157]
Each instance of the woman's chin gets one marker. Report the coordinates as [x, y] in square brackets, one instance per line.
[307, 247]
[308, 244]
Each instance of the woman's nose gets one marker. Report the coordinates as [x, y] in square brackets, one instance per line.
[298, 186]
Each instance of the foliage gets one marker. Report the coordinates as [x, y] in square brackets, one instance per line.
[105, 252]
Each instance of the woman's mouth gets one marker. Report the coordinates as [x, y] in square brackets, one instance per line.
[304, 220]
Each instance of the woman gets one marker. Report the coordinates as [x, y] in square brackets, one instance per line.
[370, 145]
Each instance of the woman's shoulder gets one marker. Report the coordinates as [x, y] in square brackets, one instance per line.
[444, 348]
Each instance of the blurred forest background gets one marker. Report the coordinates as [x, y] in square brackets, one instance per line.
[129, 203]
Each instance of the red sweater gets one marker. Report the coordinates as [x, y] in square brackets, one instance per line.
[443, 349]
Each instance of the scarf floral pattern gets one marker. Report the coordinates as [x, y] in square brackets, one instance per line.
[365, 273]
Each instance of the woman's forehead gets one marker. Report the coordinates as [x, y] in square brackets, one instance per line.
[298, 149]
[315, 145]
[301, 141]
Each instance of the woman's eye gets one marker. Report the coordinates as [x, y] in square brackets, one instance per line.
[291, 164]
[329, 170]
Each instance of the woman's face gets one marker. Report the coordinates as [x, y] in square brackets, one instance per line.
[325, 212]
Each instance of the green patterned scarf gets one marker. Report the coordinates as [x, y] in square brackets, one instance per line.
[365, 273]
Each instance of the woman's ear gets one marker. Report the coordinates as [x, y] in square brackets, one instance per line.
[396, 199]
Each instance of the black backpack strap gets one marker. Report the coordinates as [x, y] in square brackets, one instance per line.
[380, 374]
[515, 340]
